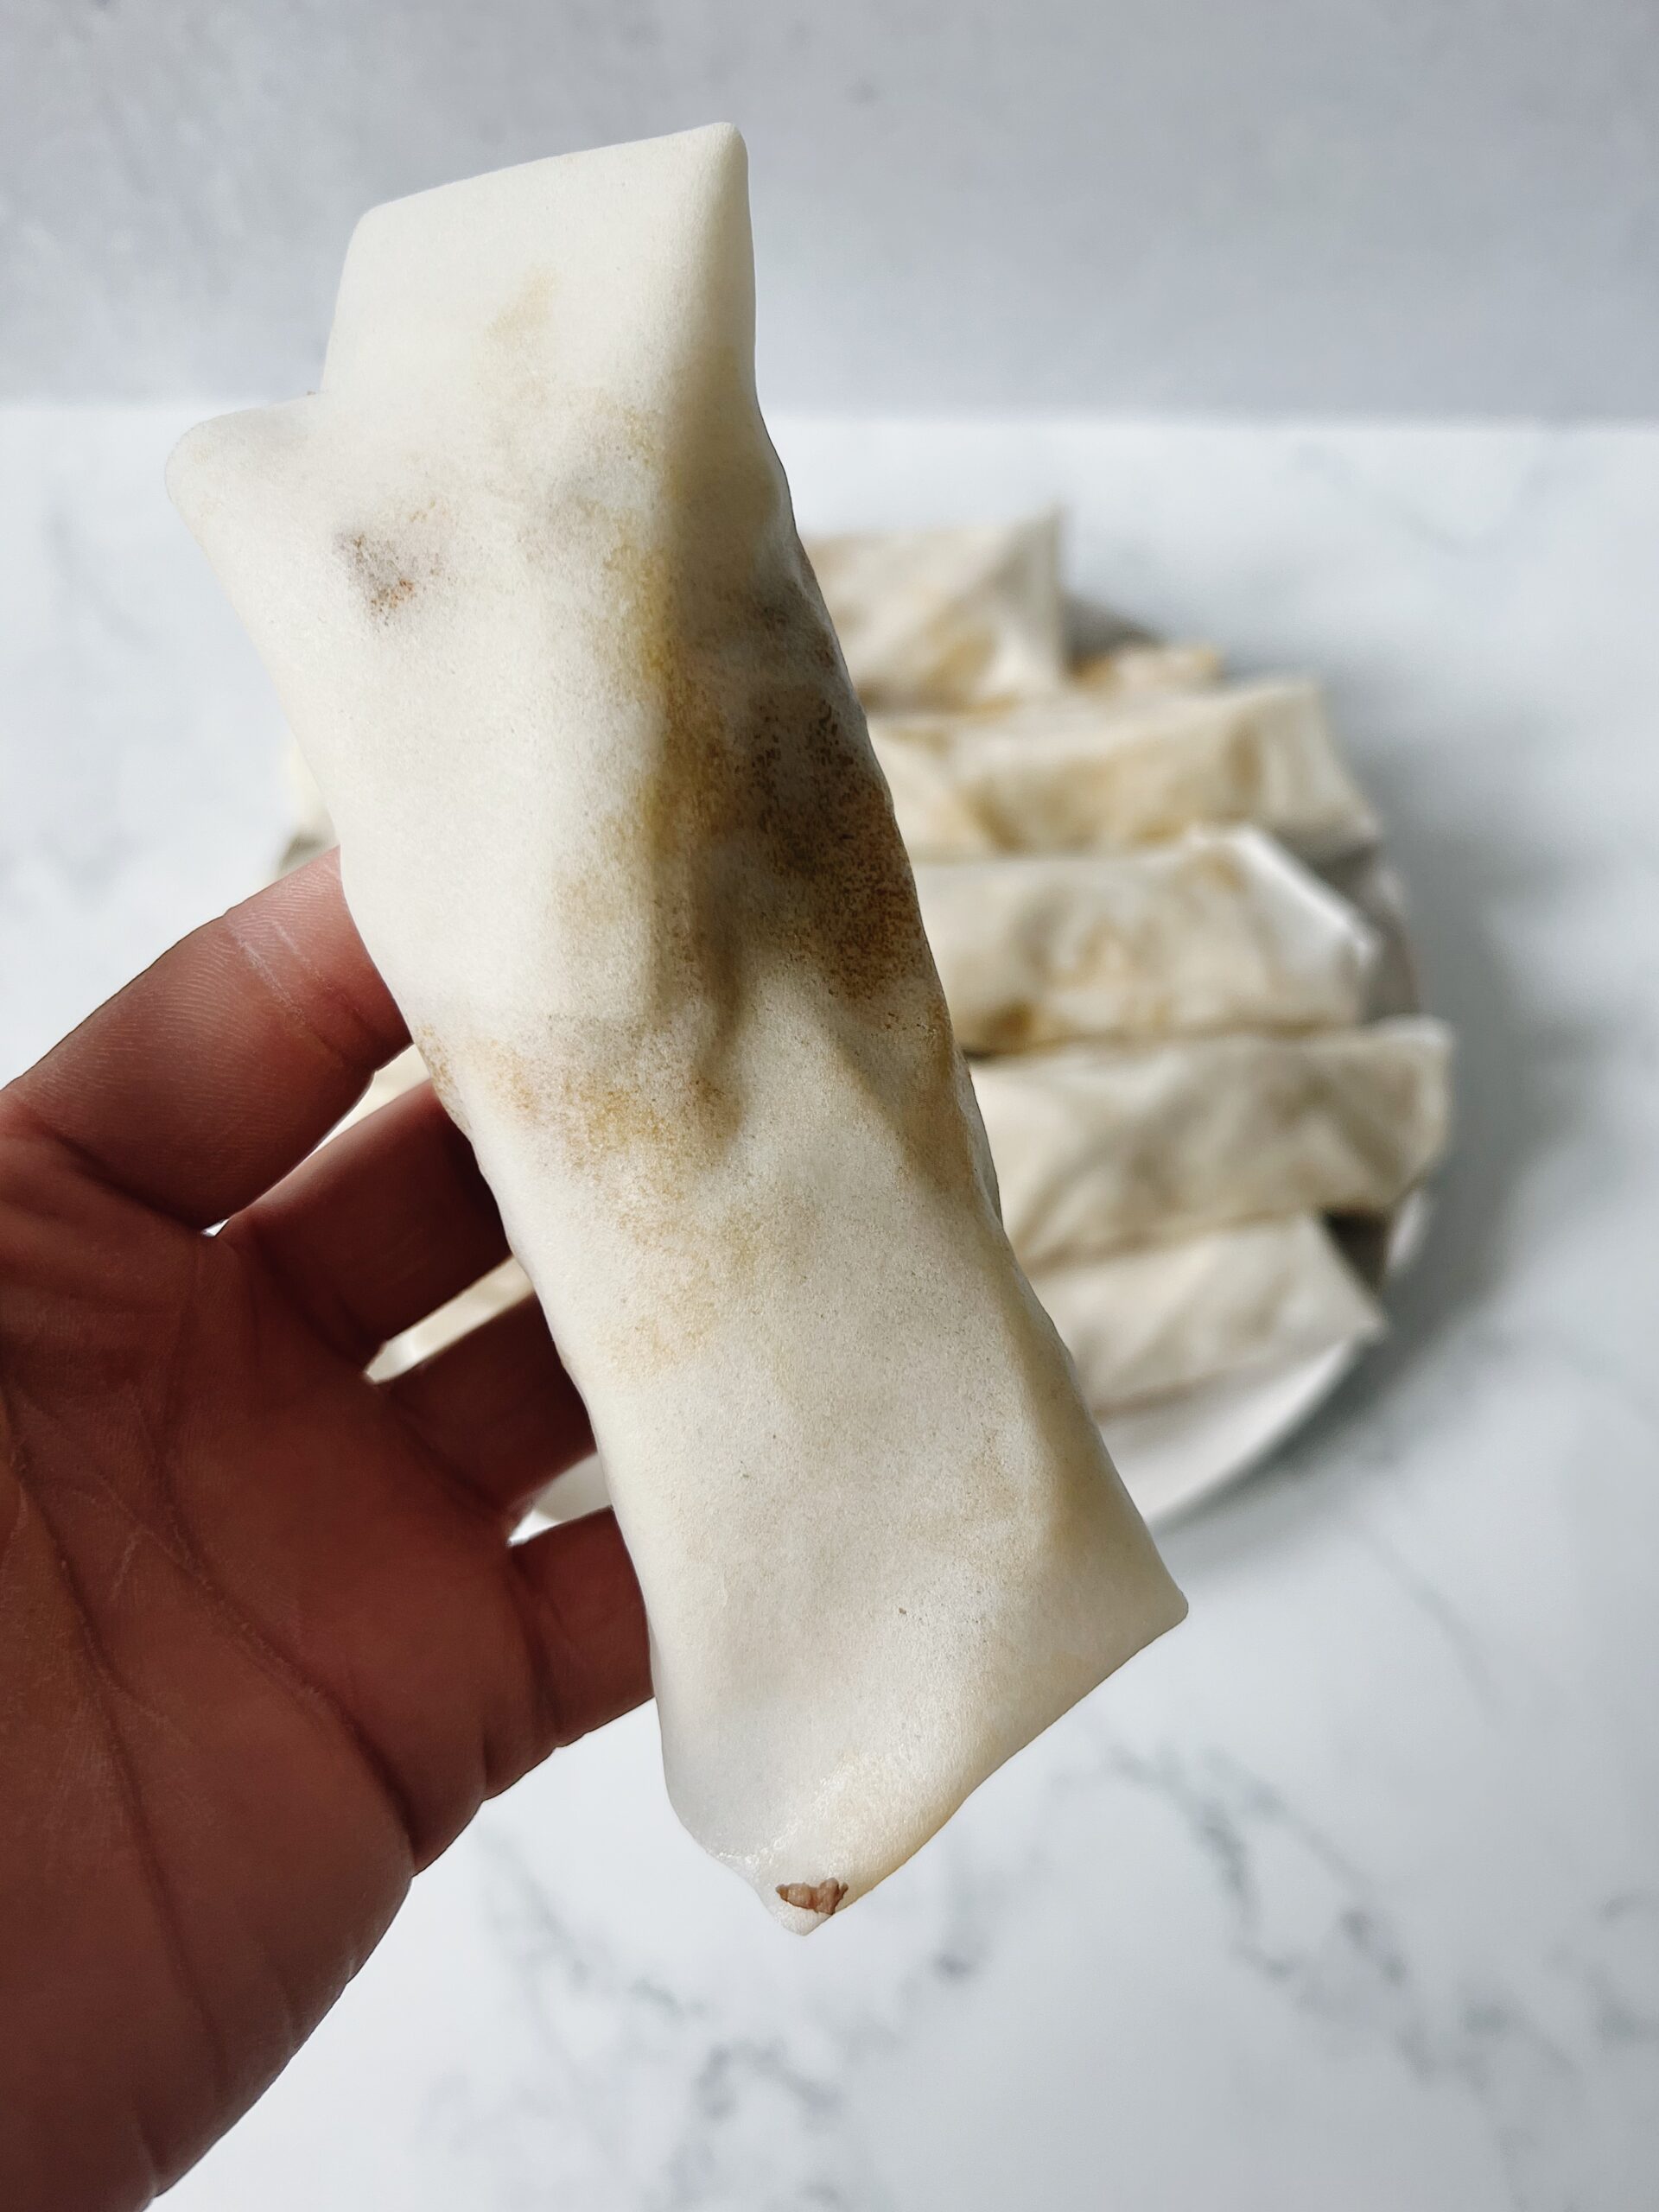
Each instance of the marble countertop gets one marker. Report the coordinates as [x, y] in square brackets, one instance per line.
[1346, 1895]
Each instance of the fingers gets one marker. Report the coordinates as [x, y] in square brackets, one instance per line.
[224, 1064]
[498, 1407]
[386, 1223]
[589, 1622]
[375, 1232]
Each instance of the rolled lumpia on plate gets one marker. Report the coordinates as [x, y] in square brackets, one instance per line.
[1100, 1145]
[947, 618]
[1142, 665]
[1159, 1317]
[1218, 929]
[525, 574]
[1077, 773]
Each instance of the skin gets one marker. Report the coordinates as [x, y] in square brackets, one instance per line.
[264, 1648]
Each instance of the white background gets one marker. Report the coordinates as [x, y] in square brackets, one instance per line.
[1442, 205]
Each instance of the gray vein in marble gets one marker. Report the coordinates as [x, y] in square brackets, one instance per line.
[1355, 1973]
[1461, 1636]
[1623, 1941]
[1424, 518]
[731, 2113]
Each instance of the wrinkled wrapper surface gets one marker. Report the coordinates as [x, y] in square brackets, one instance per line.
[1218, 929]
[1097, 1146]
[1082, 772]
[960, 617]
[1159, 1317]
[525, 574]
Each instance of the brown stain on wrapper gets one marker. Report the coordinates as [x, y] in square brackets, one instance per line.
[387, 567]
[823, 1897]
[751, 852]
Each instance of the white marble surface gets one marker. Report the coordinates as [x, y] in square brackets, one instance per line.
[1347, 1896]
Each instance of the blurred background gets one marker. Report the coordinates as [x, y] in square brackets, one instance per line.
[1334, 328]
[1381, 206]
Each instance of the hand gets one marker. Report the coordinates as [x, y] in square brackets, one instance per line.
[264, 1648]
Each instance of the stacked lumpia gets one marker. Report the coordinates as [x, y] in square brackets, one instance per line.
[1100, 1147]
[1083, 771]
[1171, 1012]
[957, 618]
[1219, 929]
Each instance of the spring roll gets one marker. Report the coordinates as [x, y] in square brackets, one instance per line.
[1096, 1146]
[1220, 930]
[947, 618]
[1159, 1318]
[1144, 665]
[1078, 773]
[526, 577]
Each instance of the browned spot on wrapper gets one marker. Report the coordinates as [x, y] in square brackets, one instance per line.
[387, 566]
[430, 1047]
[813, 1897]
[759, 836]
[744, 850]
[524, 319]
[764, 790]
[377, 571]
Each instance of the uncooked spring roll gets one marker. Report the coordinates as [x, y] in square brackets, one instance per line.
[1219, 929]
[1082, 774]
[1096, 1146]
[947, 618]
[1143, 665]
[525, 574]
[1159, 1317]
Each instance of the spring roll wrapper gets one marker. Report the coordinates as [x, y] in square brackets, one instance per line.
[1081, 773]
[1219, 929]
[1097, 1146]
[961, 617]
[525, 574]
[1159, 1318]
[1142, 665]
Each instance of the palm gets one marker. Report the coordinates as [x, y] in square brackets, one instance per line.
[263, 1644]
